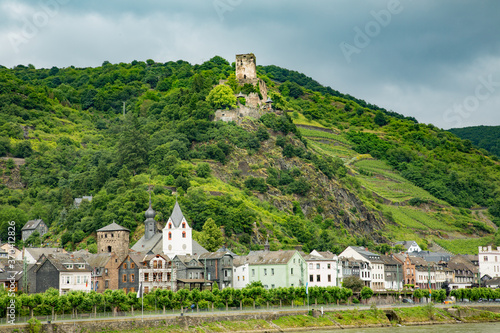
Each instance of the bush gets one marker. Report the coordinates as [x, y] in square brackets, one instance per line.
[34, 325]
[256, 184]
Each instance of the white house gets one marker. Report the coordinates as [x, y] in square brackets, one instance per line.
[158, 273]
[323, 269]
[409, 246]
[177, 235]
[489, 261]
[241, 276]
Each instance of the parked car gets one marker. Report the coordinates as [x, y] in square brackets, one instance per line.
[497, 300]
[407, 300]
[449, 301]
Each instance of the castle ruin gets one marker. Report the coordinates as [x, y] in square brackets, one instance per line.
[256, 104]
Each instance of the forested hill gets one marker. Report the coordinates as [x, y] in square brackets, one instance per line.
[486, 137]
[324, 170]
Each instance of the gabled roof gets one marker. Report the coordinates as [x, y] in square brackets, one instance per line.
[366, 254]
[198, 249]
[186, 259]
[36, 252]
[315, 255]
[407, 244]
[270, 257]
[65, 263]
[153, 245]
[113, 227]
[177, 215]
[99, 260]
[389, 260]
[417, 261]
[214, 255]
[32, 224]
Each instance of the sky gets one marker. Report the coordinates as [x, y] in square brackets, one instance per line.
[438, 61]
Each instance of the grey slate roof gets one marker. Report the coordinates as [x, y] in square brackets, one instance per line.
[177, 215]
[113, 227]
[152, 245]
[433, 256]
[36, 252]
[269, 257]
[198, 249]
[98, 260]
[60, 262]
[32, 224]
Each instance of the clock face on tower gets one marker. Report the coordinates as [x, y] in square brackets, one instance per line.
[170, 247]
[184, 246]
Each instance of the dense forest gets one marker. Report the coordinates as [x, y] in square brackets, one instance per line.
[485, 137]
[119, 130]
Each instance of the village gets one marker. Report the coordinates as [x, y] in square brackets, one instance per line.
[171, 259]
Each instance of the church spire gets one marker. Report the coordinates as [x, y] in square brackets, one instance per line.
[150, 223]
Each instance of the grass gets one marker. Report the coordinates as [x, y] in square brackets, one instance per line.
[302, 321]
[332, 150]
[301, 120]
[464, 246]
[403, 219]
[421, 314]
[358, 318]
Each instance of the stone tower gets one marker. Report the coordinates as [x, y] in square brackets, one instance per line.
[113, 238]
[150, 223]
[245, 67]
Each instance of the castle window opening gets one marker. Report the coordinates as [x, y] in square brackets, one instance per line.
[109, 248]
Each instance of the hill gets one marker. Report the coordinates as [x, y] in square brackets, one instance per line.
[486, 137]
[325, 171]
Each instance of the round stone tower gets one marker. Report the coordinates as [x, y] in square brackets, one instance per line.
[113, 238]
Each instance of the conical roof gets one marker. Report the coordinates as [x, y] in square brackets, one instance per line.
[177, 214]
[113, 227]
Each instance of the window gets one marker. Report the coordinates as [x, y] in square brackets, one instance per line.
[272, 286]
[485, 258]
[124, 277]
[318, 278]
[106, 271]
[170, 225]
[67, 279]
[146, 290]
[106, 284]
[183, 225]
[169, 236]
[243, 277]
[132, 289]
[329, 266]
[109, 248]
[329, 278]
[146, 276]
[294, 260]
[311, 278]
[253, 272]
[225, 273]
[291, 271]
[125, 266]
[132, 265]
[132, 278]
[265, 271]
[155, 264]
[125, 290]
[310, 266]
[317, 266]
[183, 234]
[238, 277]
[78, 279]
[272, 271]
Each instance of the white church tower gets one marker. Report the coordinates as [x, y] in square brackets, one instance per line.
[177, 235]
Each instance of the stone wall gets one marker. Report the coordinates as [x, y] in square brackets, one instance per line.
[237, 115]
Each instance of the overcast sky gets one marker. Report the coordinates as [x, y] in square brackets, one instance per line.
[438, 61]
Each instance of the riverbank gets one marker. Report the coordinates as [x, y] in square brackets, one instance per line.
[281, 321]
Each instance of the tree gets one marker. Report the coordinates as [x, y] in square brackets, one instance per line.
[203, 170]
[132, 146]
[211, 236]
[353, 282]
[380, 119]
[366, 293]
[222, 97]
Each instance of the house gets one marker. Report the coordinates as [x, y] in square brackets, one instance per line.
[409, 277]
[34, 225]
[32, 254]
[350, 267]
[464, 276]
[493, 283]
[489, 261]
[12, 251]
[157, 273]
[63, 272]
[77, 202]
[433, 256]
[393, 270]
[218, 267]
[129, 272]
[11, 274]
[277, 268]
[409, 246]
[191, 273]
[323, 269]
[241, 274]
[372, 272]
[104, 271]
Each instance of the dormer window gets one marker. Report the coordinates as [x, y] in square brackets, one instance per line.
[69, 266]
[81, 266]
[184, 225]
[170, 225]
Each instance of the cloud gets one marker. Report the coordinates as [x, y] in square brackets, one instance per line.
[428, 57]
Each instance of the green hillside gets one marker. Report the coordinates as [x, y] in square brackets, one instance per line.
[325, 171]
[486, 137]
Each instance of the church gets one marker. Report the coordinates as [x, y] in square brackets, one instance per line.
[175, 239]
